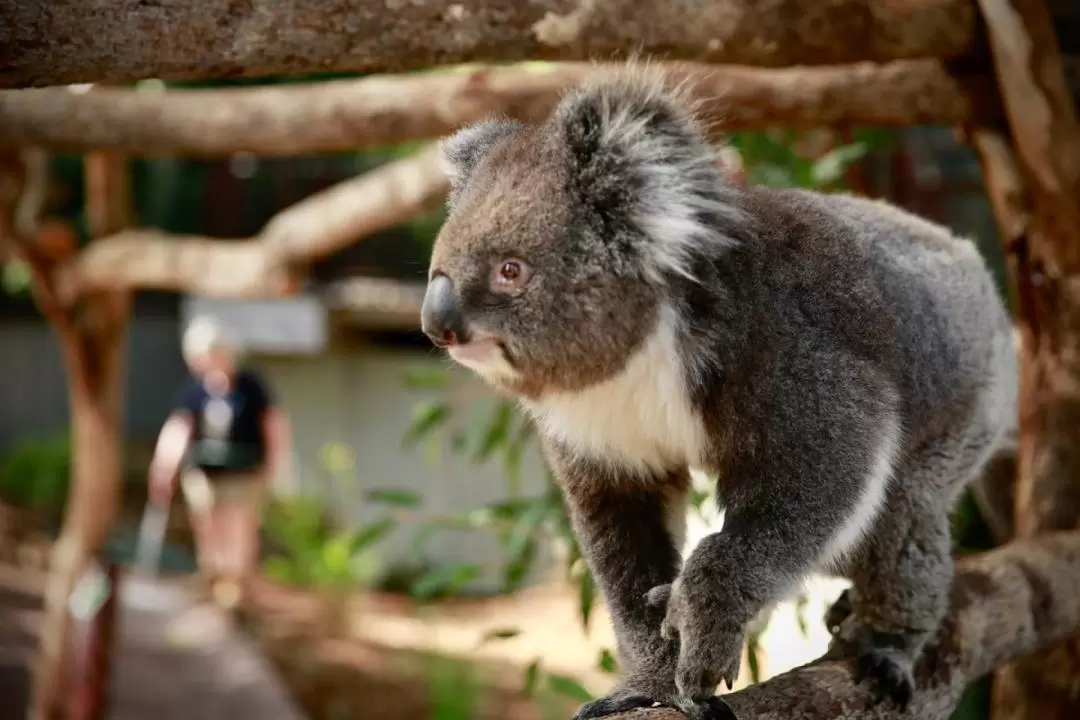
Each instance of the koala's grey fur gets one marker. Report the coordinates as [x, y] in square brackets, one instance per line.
[842, 367]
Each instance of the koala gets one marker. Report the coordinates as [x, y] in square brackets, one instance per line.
[841, 367]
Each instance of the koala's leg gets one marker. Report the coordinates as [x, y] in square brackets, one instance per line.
[630, 532]
[799, 489]
[900, 587]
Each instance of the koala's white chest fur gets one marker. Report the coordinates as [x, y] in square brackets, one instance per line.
[642, 417]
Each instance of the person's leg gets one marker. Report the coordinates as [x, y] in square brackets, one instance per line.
[199, 497]
[240, 510]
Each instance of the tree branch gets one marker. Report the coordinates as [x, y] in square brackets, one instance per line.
[385, 110]
[1006, 604]
[78, 41]
[270, 263]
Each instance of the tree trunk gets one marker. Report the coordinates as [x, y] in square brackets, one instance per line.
[93, 342]
[1035, 194]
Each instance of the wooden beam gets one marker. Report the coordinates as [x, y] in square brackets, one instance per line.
[80, 41]
[386, 110]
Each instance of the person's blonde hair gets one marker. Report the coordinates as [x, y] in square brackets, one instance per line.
[203, 336]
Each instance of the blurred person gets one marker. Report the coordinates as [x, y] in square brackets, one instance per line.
[225, 440]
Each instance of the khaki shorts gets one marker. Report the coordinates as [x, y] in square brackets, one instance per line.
[245, 489]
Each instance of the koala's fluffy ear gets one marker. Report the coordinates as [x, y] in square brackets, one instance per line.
[638, 154]
[629, 118]
[463, 151]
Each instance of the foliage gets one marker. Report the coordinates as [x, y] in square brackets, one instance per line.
[313, 553]
[36, 474]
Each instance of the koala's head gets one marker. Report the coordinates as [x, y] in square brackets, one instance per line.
[563, 238]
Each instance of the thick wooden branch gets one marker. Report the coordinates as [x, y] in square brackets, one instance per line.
[78, 41]
[269, 264]
[384, 110]
[1006, 604]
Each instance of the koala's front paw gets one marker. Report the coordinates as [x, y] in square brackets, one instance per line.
[839, 612]
[631, 693]
[710, 647]
[713, 708]
[889, 671]
[611, 704]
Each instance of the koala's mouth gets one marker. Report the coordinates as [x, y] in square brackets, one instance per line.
[483, 353]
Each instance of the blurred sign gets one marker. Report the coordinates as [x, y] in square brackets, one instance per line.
[296, 325]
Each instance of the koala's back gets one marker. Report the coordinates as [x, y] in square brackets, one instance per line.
[909, 291]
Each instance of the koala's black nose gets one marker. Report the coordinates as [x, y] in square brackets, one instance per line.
[440, 315]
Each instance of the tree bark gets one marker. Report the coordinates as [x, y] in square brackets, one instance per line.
[93, 341]
[270, 264]
[385, 110]
[79, 41]
[1006, 603]
[1039, 214]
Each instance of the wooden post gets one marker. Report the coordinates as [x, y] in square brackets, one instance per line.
[92, 643]
[1035, 192]
[93, 339]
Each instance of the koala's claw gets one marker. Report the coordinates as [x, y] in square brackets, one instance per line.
[890, 676]
[658, 597]
[713, 708]
[838, 612]
[612, 704]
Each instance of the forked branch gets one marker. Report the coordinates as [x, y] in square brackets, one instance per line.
[271, 263]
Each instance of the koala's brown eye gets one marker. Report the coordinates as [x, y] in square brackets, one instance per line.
[510, 271]
[510, 274]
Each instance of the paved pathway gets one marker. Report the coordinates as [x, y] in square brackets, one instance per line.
[173, 658]
[179, 660]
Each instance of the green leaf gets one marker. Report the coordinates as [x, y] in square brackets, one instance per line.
[801, 604]
[335, 557]
[445, 580]
[569, 687]
[830, 167]
[427, 416]
[752, 646]
[422, 537]
[15, 277]
[426, 378]
[395, 497]
[522, 547]
[607, 662]
[371, 533]
[518, 567]
[532, 674]
[281, 570]
[497, 431]
[499, 634]
[586, 597]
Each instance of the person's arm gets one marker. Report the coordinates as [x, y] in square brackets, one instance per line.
[274, 424]
[172, 444]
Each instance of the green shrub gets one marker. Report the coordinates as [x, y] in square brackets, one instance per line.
[36, 474]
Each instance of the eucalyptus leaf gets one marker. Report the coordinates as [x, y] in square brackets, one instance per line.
[427, 415]
[445, 579]
[607, 662]
[569, 687]
[395, 497]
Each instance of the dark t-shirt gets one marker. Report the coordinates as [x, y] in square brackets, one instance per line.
[228, 433]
